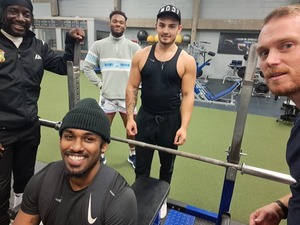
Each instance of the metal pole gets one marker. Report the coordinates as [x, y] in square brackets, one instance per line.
[250, 170]
[241, 117]
[51, 124]
[267, 174]
[196, 15]
[73, 71]
[237, 138]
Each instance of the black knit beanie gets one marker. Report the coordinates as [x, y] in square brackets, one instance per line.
[25, 3]
[87, 115]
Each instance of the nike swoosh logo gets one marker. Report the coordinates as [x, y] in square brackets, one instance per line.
[58, 199]
[90, 219]
[152, 60]
[37, 56]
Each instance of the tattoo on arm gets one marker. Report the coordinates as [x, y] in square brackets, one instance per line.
[132, 97]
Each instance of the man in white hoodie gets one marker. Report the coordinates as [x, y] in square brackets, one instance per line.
[113, 55]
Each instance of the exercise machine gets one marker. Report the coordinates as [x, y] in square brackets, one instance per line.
[200, 52]
[151, 192]
[235, 65]
[260, 87]
[203, 94]
[290, 112]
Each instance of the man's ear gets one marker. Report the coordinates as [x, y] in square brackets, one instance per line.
[104, 147]
[179, 29]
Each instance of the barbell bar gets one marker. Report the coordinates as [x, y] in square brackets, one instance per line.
[245, 169]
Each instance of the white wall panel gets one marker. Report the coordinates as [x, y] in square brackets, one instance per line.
[210, 9]
[85, 8]
[149, 9]
[41, 10]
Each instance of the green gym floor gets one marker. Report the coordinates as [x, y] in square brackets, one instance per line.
[210, 134]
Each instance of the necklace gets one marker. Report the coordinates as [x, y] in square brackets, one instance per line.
[162, 65]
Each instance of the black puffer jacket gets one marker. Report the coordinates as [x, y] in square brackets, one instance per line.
[21, 73]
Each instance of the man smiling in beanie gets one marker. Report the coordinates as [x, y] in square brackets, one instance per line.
[23, 59]
[79, 189]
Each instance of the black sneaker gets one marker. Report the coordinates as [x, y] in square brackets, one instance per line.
[131, 160]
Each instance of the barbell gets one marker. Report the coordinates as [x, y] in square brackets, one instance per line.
[245, 169]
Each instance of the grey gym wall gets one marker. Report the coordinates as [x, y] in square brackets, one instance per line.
[236, 14]
[80, 8]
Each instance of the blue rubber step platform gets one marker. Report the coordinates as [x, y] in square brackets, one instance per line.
[175, 217]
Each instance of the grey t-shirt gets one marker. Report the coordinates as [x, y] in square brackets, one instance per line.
[68, 207]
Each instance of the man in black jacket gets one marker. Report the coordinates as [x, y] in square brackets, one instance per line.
[23, 59]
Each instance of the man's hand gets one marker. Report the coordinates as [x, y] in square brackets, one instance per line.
[131, 128]
[267, 215]
[180, 137]
[78, 34]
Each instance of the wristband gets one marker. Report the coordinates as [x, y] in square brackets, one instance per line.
[283, 207]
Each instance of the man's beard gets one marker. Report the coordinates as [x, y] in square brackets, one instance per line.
[8, 29]
[83, 173]
[117, 34]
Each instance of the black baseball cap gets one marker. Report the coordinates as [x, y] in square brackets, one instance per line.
[169, 10]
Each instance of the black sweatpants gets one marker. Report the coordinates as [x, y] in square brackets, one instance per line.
[157, 130]
[19, 159]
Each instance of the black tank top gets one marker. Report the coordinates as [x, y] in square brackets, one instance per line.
[161, 84]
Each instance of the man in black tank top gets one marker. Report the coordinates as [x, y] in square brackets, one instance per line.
[167, 74]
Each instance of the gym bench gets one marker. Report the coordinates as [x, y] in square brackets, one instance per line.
[150, 194]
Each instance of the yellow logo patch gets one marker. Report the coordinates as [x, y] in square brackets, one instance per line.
[2, 57]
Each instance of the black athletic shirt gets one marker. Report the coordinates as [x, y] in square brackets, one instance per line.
[68, 207]
[293, 160]
[161, 84]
